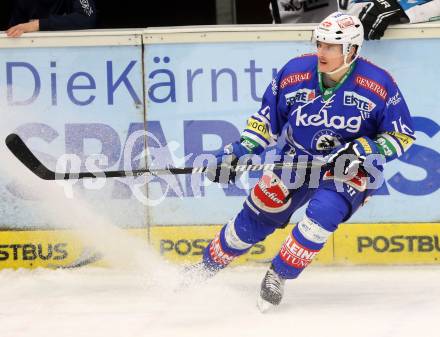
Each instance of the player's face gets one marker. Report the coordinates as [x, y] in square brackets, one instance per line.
[330, 56]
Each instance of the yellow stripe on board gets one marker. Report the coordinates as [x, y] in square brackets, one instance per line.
[186, 244]
[358, 244]
[412, 243]
[50, 248]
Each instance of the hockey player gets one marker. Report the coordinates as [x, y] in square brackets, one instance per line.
[332, 104]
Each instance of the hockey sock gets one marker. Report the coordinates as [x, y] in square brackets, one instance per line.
[298, 251]
[219, 252]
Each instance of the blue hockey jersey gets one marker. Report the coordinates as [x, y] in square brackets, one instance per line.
[313, 120]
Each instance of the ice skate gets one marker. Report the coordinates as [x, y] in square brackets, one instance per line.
[271, 292]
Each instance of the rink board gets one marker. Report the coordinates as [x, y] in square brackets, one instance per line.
[192, 89]
[385, 244]
[357, 244]
[411, 243]
[51, 249]
[186, 244]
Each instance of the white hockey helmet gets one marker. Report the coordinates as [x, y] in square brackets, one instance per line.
[340, 28]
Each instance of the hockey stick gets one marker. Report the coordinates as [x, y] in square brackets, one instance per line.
[16, 145]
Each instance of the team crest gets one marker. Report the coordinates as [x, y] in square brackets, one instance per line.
[326, 140]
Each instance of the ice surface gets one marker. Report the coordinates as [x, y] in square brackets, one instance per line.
[324, 301]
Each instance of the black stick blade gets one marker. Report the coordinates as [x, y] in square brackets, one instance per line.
[19, 149]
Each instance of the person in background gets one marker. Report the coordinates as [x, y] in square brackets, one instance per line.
[302, 11]
[45, 15]
[375, 15]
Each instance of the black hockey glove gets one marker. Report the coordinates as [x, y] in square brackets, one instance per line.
[345, 161]
[377, 15]
[227, 158]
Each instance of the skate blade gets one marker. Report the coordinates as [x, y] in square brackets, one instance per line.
[264, 306]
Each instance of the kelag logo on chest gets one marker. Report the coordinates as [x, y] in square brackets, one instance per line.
[326, 119]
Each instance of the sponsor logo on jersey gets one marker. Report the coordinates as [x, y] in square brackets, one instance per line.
[394, 100]
[384, 144]
[362, 103]
[403, 139]
[295, 78]
[352, 124]
[365, 145]
[258, 127]
[372, 86]
[274, 87]
[249, 144]
[300, 96]
[270, 194]
[345, 22]
[326, 140]
[326, 24]
[296, 255]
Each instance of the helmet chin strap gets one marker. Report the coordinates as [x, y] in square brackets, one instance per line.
[344, 65]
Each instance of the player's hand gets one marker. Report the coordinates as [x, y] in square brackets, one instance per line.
[377, 15]
[18, 30]
[345, 161]
[227, 158]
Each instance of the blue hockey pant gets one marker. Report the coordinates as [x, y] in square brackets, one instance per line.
[269, 206]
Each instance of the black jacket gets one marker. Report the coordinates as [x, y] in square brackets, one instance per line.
[55, 14]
